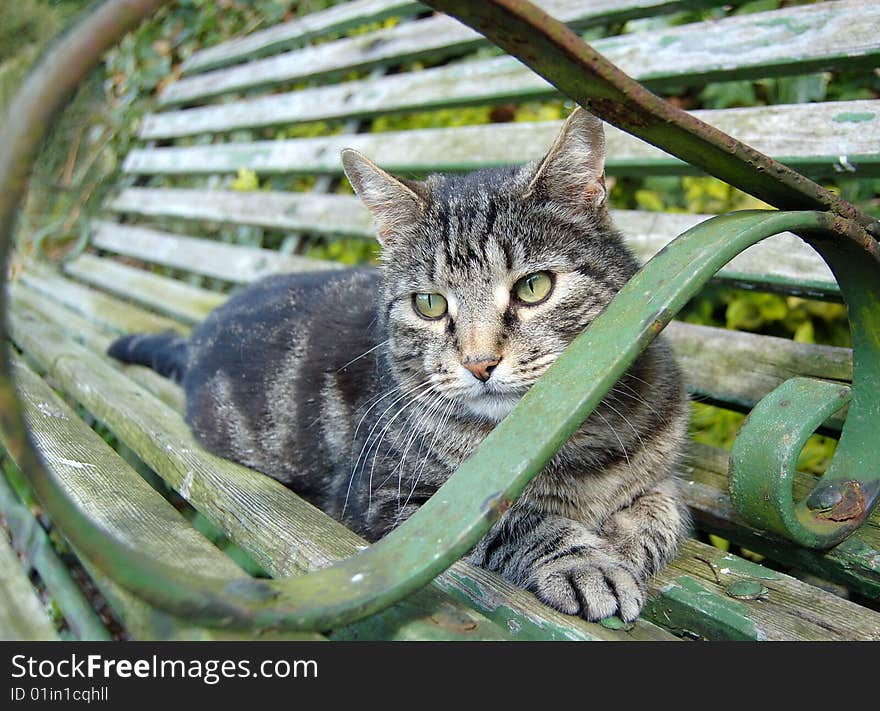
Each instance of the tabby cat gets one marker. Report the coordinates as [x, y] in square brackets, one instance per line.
[364, 389]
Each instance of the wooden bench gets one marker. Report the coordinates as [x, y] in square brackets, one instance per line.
[152, 265]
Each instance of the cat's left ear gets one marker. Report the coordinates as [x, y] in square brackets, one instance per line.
[573, 171]
[393, 203]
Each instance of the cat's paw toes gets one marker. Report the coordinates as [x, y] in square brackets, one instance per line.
[593, 587]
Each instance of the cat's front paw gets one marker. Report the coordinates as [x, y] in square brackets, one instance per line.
[593, 584]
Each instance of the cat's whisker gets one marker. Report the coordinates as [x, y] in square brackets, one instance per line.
[417, 477]
[375, 401]
[639, 399]
[636, 377]
[617, 436]
[364, 354]
[413, 431]
[626, 420]
[368, 440]
[370, 434]
[378, 443]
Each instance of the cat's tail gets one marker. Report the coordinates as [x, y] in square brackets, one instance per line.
[166, 353]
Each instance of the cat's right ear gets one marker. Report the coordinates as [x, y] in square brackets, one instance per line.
[392, 203]
[573, 171]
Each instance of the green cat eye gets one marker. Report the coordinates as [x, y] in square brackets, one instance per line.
[429, 305]
[533, 288]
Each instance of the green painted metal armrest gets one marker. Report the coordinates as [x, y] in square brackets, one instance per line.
[464, 509]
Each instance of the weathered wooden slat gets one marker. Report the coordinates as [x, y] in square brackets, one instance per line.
[342, 215]
[854, 563]
[284, 533]
[811, 37]
[167, 296]
[95, 336]
[122, 501]
[107, 488]
[32, 542]
[682, 55]
[22, 615]
[233, 263]
[692, 596]
[736, 368]
[783, 263]
[111, 313]
[298, 32]
[818, 139]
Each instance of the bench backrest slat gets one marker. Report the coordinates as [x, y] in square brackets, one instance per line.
[782, 263]
[298, 32]
[817, 139]
[431, 39]
[741, 47]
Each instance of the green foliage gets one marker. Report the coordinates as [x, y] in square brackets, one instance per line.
[717, 427]
[24, 23]
[17, 481]
[347, 251]
[791, 317]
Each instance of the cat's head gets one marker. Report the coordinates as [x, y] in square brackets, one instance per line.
[488, 276]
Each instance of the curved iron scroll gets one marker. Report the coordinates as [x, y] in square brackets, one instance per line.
[465, 508]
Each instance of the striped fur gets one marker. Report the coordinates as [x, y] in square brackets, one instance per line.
[333, 384]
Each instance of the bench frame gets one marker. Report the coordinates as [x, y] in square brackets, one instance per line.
[842, 234]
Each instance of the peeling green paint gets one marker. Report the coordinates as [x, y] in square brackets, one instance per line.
[615, 623]
[695, 611]
[867, 557]
[746, 590]
[788, 23]
[854, 116]
[734, 564]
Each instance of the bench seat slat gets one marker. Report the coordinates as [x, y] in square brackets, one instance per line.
[94, 335]
[22, 615]
[111, 491]
[736, 369]
[783, 263]
[167, 296]
[681, 55]
[120, 500]
[818, 139]
[33, 544]
[792, 39]
[111, 313]
[791, 609]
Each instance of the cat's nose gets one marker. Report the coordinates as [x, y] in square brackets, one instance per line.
[481, 366]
